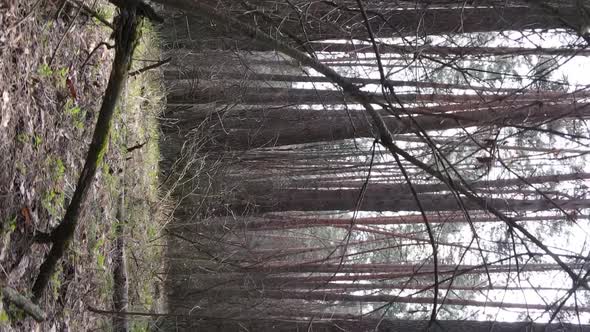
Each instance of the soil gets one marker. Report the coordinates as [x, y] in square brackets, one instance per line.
[54, 66]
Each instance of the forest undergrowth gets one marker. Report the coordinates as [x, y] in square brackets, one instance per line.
[54, 65]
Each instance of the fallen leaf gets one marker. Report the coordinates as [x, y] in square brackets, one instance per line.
[72, 88]
[5, 99]
[4, 106]
[27, 215]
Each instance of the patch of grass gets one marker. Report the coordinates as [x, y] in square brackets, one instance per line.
[13, 314]
[139, 326]
[110, 180]
[56, 281]
[98, 252]
[6, 229]
[72, 110]
[56, 168]
[44, 70]
[10, 224]
[45, 152]
[106, 12]
[53, 201]
[145, 209]
[20, 167]
[23, 138]
[4, 319]
[105, 285]
[75, 113]
[77, 116]
[61, 75]
[37, 140]
[52, 198]
[58, 76]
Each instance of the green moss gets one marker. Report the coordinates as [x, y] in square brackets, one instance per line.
[106, 12]
[61, 76]
[139, 326]
[102, 150]
[21, 167]
[72, 110]
[4, 319]
[22, 138]
[14, 314]
[37, 141]
[10, 224]
[56, 281]
[53, 197]
[76, 114]
[56, 168]
[98, 252]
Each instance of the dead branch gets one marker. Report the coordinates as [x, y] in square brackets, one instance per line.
[92, 13]
[153, 66]
[23, 303]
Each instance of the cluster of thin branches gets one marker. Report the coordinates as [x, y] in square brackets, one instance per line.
[364, 111]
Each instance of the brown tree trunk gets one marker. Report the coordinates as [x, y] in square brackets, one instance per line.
[313, 126]
[382, 200]
[261, 224]
[395, 188]
[329, 297]
[290, 322]
[325, 21]
[293, 96]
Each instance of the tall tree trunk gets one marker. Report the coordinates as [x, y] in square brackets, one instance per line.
[383, 200]
[260, 224]
[290, 323]
[329, 296]
[312, 126]
[333, 20]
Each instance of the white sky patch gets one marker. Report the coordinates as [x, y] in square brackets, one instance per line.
[571, 239]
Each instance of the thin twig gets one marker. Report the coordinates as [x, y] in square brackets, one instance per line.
[146, 68]
[130, 313]
[92, 13]
[386, 137]
[29, 14]
[63, 37]
[136, 147]
[108, 46]
[405, 174]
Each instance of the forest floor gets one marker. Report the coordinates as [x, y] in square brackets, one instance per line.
[51, 88]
